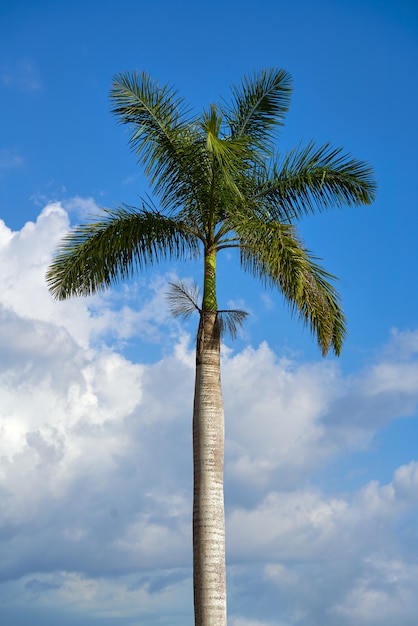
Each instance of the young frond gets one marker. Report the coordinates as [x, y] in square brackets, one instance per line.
[228, 157]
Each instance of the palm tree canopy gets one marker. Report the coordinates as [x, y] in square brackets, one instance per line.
[220, 184]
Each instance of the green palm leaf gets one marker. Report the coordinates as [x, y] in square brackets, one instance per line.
[165, 141]
[227, 156]
[259, 106]
[86, 262]
[273, 252]
[313, 179]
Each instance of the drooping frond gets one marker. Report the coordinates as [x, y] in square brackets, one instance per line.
[230, 321]
[94, 256]
[313, 179]
[272, 252]
[183, 299]
[259, 105]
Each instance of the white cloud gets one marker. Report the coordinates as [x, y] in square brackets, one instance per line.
[287, 419]
[385, 593]
[285, 525]
[276, 414]
[331, 560]
[167, 597]
[306, 524]
[24, 257]
[84, 208]
[95, 463]
[138, 309]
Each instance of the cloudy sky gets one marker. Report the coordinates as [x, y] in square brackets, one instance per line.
[321, 473]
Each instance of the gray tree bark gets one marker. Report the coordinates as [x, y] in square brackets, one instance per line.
[209, 571]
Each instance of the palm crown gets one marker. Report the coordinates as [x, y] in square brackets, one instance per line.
[220, 184]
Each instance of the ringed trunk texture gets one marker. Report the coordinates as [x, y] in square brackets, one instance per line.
[209, 573]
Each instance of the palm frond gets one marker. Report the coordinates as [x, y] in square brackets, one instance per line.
[230, 321]
[153, 112]
[313, 179]
[272, 252]
[162, 135]
[259, 106]
[183, 299]
[228, 155]
[95, 255]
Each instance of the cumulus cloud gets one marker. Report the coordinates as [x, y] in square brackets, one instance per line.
[333, 560]
[69, 598]
[95, 462]
[286, 419]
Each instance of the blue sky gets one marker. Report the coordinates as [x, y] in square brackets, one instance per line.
[95, 394]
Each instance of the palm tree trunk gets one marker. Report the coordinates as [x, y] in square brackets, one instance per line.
[209, 574]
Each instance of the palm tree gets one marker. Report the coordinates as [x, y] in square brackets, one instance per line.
[220, 184]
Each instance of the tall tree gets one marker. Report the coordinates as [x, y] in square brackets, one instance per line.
[220, 183]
